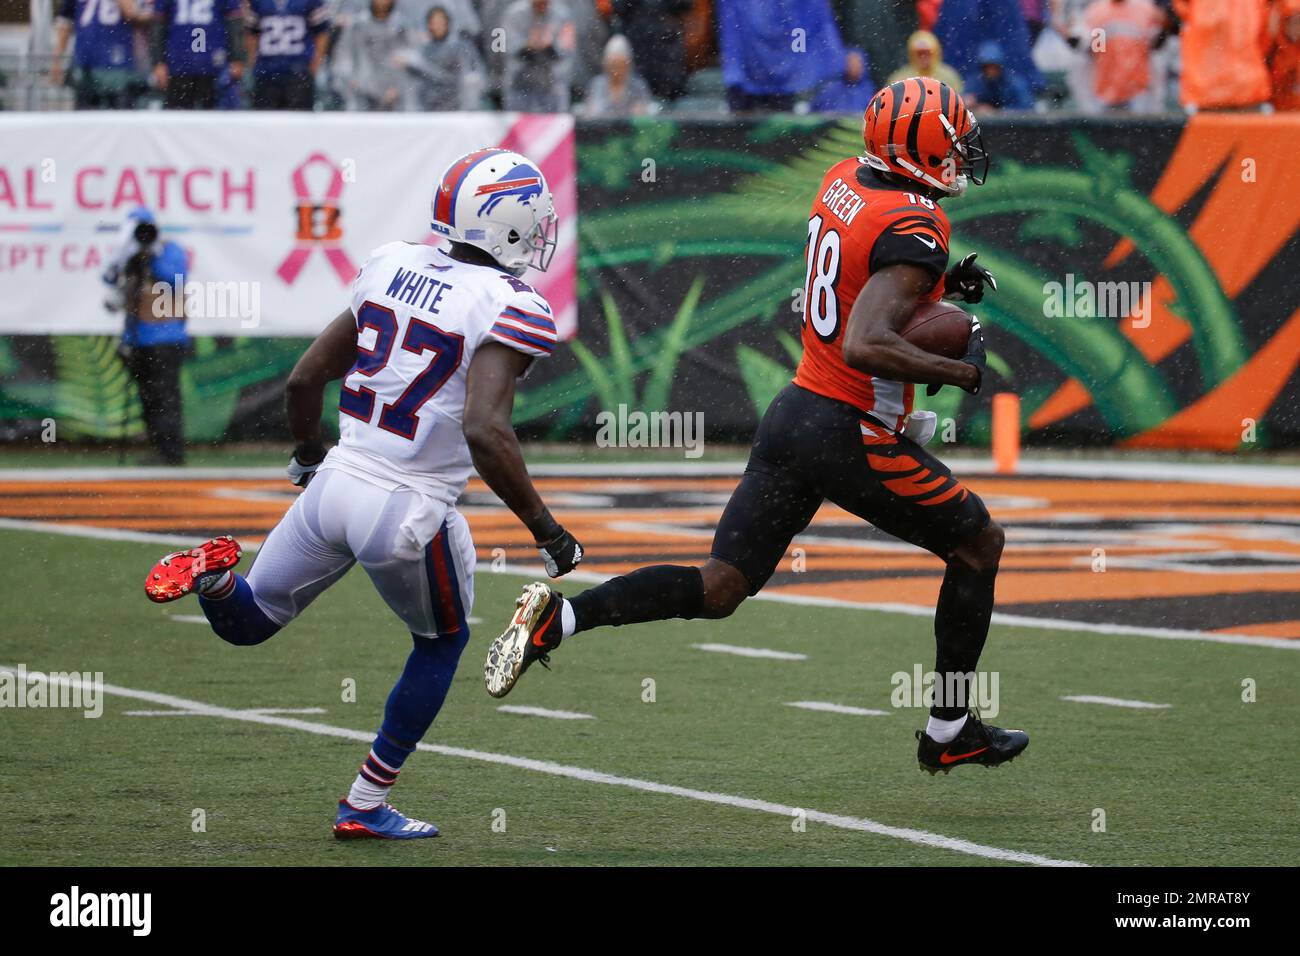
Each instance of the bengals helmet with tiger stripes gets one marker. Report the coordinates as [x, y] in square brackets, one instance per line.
[920, 129]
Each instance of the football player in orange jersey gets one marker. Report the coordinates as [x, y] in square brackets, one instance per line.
[844, 429]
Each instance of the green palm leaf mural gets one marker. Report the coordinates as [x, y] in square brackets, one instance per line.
[764, 216]
[765, 376]
[216, 380]
[614, 381]
[94, 396]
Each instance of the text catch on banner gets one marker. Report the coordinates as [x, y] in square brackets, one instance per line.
[275, 211]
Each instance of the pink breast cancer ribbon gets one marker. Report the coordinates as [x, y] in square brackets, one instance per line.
[311, 217]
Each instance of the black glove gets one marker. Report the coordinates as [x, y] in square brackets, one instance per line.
[560, 554]
[975, 355]
[965, 281]
[307, 457]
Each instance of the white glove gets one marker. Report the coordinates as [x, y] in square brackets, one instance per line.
[299, 473]
[920, 426]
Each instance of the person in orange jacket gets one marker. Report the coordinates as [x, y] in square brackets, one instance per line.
[1225, 48]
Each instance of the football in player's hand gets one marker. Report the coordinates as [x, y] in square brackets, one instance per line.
[939, 328]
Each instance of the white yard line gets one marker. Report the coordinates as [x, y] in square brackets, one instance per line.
[1203, 562]
[536, 571]
[750, 652]
[1162, 633]
[56, 475]
[1229, 473]
[106, 534]
[859, 824]
[1046, 623]
[200, 713]
[836, 708]
[1116, 702]
[100, 534]
[1025, 539]
[543, 712]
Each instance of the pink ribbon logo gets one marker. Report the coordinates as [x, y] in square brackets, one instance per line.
[318, 224]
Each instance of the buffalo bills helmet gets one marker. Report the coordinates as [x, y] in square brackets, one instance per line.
[499, 201]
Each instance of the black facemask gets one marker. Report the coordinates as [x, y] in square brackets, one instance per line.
[974, 157]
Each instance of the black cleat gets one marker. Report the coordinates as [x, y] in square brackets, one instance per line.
[977, 743]
[533, 633]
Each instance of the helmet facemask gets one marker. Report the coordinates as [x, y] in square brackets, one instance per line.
[967, 162]
[974, 164]
[541, 242]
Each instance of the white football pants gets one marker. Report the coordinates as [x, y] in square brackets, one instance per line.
[341, 520]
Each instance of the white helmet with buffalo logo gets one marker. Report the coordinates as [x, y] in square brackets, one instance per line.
[498, 201]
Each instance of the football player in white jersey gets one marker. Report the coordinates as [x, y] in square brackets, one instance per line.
[429, 352]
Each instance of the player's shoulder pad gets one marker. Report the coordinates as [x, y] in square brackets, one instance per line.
[386, 251]
[391, 248]
[913, 234]
[524, 319]
[510, 285]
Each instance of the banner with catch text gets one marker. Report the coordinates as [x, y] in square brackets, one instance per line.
[274, 212]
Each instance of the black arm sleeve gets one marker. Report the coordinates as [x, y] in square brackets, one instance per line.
[914, 240]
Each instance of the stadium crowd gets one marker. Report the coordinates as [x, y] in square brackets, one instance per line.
[633, 57]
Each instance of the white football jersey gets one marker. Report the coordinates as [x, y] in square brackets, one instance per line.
[421, 316]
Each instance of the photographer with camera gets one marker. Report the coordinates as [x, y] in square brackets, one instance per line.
[146, 280]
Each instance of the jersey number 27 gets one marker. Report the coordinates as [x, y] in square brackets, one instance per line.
[399, 417]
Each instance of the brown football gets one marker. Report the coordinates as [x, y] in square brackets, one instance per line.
[938, 327]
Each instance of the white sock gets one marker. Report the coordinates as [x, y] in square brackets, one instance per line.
[216, 586]
[942, 731]
[374, 780]
[567, 621]
[365, 795]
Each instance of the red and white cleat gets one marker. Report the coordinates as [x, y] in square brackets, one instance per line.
[177, 574]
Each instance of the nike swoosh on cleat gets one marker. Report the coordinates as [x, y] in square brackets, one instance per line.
[542, 629]
[946, 758]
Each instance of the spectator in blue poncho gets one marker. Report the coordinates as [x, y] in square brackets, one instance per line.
[773, 50]
[851, 91]
[994, 87]
[964, 26]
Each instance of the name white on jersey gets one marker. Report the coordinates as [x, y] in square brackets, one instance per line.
[421, 316]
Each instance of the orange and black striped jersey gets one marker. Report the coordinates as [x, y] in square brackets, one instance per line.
[859, 225]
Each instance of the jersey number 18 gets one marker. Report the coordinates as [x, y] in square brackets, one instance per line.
[820, 278]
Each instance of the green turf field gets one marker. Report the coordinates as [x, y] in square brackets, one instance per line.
[1209, 781]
